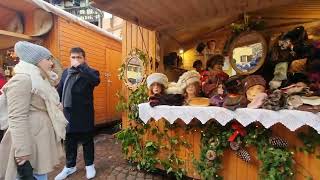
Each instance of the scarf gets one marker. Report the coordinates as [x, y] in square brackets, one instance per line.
[48, 93]
[67, 87]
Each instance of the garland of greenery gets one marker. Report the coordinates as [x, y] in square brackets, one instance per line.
[276, 163]
[238, 28]
[145, 155]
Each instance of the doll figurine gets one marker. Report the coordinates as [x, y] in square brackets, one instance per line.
[190, 83]
[157, 83]
[254, 88]
[214, 89]
[162, 93]
[214, 68]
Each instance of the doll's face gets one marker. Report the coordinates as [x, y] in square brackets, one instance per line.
[220, 89]
[156, 88]
[217, 67]
[253, 91]
[191, 90]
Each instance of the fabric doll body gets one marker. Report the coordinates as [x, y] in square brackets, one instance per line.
[218, 98]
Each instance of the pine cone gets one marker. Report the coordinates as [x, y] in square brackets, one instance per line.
[244, 155]
[211, 155]
[278, 142]
[234, 145]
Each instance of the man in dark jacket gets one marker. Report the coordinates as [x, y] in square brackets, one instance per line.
[76, 94]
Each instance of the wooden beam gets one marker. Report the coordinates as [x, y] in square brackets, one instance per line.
[8, 39]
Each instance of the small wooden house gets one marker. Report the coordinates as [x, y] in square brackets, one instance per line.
[45, 24]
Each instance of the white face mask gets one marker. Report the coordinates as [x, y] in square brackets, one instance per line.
[52, 75]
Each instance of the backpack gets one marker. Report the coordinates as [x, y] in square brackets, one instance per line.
[3, 111]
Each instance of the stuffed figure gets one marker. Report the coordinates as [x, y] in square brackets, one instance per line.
[214, 89]
[173, 96]
[157, 83]
[253, 85]
[234, 98]
[210, 87]
[189, 83]
[214, 68]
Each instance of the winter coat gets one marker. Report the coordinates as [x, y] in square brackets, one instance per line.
[30, 133]
[81, 114]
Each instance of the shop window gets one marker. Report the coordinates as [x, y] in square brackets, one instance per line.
[8, 60]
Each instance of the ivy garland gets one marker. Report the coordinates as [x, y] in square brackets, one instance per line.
[145, 155]
[214, 142]
[276, 163]
[311, 142]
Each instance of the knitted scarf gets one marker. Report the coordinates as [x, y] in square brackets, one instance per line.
[71, 78]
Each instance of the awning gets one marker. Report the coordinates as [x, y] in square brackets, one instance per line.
[190, 20]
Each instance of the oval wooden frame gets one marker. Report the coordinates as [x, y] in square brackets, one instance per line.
[128, 83]
[264, 53]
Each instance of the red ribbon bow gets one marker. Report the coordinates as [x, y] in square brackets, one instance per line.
[239, 129]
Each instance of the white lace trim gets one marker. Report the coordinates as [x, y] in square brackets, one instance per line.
[292, 119]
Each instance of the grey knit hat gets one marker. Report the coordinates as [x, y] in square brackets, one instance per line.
[31, 53]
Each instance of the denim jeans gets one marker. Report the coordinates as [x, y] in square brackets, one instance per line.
[41, 176]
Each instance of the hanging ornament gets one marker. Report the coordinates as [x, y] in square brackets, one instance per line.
[278, 142]
[244, 155]
[239, 130]
[211, 155]
[234, 145]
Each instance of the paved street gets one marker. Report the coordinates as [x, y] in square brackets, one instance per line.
[109, 162]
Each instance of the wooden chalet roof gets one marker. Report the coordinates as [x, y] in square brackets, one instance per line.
[187, 20]
[8, 9]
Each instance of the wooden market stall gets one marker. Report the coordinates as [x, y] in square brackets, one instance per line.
[173, 138]
[59, 31]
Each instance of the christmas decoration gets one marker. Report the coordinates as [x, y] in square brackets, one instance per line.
[278, 142]
[239, 130]
[211, 155]
[244, 155]
[234, 145]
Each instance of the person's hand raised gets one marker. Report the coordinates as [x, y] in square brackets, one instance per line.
[74, 63]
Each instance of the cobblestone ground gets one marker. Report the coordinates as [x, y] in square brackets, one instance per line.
[109, 162]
